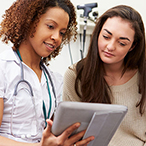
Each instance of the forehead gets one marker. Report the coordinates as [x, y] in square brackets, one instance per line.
[119, 26]
[57, 15]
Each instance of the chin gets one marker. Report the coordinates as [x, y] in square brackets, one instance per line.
[107, 61]
[46, 54]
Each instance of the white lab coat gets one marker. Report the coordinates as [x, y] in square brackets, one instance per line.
[24, 117]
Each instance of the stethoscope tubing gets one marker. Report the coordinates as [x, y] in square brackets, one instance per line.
[53, 88]
[31, 92]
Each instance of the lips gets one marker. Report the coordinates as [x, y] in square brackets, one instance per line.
[108, 54]
[49, 46]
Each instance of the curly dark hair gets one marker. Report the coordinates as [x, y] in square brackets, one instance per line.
[17, 21]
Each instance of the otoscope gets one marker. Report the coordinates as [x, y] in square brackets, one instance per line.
[87, 9]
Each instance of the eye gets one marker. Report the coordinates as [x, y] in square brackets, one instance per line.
[50, 26]
[105, 36]
[62, 34]
[122, 44]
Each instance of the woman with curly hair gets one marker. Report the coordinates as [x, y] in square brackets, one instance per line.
[37, 29]
[114, 72]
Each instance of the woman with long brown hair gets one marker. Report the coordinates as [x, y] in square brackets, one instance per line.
[114, 72]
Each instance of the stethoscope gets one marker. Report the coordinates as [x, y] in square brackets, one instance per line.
[22, 80]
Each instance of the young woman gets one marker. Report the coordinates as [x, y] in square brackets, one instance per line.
[114, 72]
[29, 91]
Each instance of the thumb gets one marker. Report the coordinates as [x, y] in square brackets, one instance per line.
[49, 126]
[46, 133]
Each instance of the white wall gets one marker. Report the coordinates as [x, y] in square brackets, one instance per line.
[61, 62]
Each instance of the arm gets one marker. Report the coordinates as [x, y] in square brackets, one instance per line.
[6, 141]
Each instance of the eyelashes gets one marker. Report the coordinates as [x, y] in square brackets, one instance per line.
[51, 27]
[108, 38]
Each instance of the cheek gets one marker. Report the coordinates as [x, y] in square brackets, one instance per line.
[122, 54]
[59, 42]
[124, 51]
[34, 41]
[100, 48]
[101, 44]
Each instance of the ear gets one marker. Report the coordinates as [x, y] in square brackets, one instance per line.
[133, 46]
[131, 49]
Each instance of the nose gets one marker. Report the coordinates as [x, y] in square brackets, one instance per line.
[111, 46]
[56, 36]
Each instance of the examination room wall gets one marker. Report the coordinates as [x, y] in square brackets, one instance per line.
[71, 53]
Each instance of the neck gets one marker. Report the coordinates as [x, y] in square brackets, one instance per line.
[114, 74]
[29, 56]
[115, 77]
[114, 70]
[31, 59]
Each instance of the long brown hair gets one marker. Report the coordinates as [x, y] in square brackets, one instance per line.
[17, 21]
[90, 70]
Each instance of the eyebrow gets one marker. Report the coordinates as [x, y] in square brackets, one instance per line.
[56, 23]
[122, 38]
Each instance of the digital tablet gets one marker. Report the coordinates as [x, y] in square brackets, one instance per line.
[99, 120]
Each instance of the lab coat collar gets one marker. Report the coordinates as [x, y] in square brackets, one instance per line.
[9, 55]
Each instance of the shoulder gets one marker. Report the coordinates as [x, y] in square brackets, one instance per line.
[70, 75]
[71, 70]
[8, 55]
[69, 92]
[56, 77]
[7, 59]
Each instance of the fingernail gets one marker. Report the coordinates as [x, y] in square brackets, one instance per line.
[78, 125]
[92, 138]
